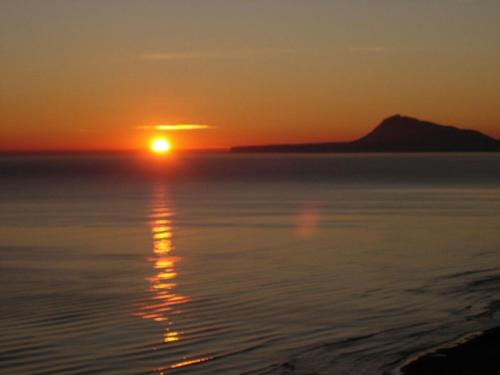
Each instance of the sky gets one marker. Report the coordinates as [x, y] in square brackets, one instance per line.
[102, 74]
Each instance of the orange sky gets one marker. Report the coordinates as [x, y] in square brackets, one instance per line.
[98, 75]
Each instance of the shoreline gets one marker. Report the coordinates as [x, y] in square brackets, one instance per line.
[473, 354]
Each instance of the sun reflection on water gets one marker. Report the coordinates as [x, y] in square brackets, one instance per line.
[163, 302]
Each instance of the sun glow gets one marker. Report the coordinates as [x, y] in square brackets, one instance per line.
[160, 146]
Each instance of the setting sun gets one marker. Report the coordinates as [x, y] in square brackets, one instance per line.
[160, 146]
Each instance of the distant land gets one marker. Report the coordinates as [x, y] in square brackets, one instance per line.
[397, 134]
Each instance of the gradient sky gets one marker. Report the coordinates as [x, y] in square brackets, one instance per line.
[100, 74]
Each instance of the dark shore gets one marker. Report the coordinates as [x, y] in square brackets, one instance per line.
[480, 355]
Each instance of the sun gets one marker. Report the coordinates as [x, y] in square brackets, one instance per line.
[160, 145]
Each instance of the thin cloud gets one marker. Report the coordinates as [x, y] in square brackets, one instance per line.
[175, 127]
[173, 56]
[371, 49]
[182, 127]
[246, 53]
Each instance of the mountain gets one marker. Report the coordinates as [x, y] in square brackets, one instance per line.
[397, 134]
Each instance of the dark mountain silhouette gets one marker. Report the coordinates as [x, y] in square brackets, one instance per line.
[397, 134]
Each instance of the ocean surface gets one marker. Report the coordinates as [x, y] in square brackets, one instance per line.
[243, 264]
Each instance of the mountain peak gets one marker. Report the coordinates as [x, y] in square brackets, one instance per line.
[399, 120]
[410, 133]
[395, 117]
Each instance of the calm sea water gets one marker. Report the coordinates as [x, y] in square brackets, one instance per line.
[231, 264]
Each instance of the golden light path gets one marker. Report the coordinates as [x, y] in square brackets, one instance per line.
[164, 302]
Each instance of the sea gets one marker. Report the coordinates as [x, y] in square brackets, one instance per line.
[225, 263]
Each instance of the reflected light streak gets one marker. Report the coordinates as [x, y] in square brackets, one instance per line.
[163, 300]
[308, 220]
[191, 362]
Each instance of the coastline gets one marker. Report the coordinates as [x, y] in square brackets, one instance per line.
[474, 354]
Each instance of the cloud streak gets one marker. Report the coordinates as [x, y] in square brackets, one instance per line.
[175, 127]
[243, 53]
[247, 53]
[372, 49]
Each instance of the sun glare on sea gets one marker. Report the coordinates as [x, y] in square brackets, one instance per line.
[160, 146]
